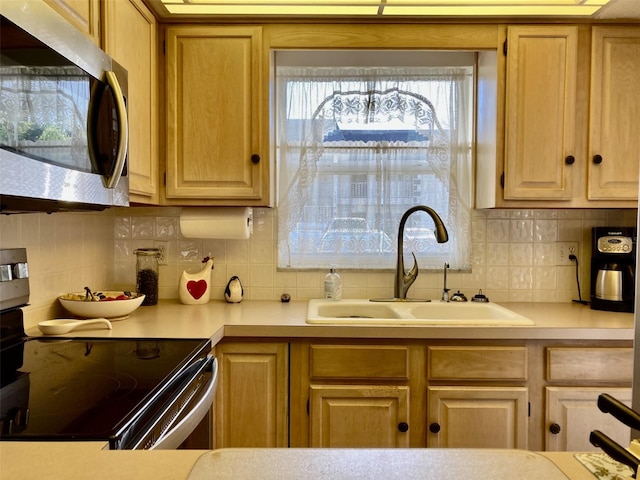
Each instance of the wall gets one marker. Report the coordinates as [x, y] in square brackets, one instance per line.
[513, 256]
[65, 252]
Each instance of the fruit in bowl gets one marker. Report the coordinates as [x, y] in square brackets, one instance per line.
[105, 304]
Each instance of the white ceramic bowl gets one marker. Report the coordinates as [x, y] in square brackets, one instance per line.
[102, 309]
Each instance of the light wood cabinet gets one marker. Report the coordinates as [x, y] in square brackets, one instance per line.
[614, 143]
[540, 112]
[129, 23]
[353, 395]
[216, 152]
[567, 139]
[251, 407]
[438, 393]
[82, 14]
[576, 376]
[359, 416]
[572, 414]
[477, 417]
[477, 396]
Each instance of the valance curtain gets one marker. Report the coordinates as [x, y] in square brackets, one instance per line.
[356, 147]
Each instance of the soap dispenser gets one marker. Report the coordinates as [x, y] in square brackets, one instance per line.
[333, 285]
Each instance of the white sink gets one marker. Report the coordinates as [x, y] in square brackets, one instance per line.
[365, 312]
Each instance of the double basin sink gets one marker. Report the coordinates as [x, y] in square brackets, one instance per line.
[366, 312]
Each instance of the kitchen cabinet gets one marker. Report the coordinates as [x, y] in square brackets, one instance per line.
[477, 417]
[572, 414]
[217, 152]
[540, 110]
[570, 98]
[614, 143]
[437, 393]
[251, 407]
[576, 377]
[359, 416]
[483, 399]
[353, 395]
[82, 14]
[127, 23]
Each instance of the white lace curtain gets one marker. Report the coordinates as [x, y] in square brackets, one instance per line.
[357, 147]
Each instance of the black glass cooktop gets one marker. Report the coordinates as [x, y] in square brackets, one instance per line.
[90, 389]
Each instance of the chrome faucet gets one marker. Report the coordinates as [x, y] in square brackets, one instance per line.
[445, 290]
[404, 280]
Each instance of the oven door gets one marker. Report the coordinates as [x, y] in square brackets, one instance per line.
[183, 406]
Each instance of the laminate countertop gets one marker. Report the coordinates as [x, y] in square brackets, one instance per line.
[218, 319]
[69, 461]
[252, 318]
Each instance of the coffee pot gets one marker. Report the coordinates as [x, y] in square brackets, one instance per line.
[613, 263]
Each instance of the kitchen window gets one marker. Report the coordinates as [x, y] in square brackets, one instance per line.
[356, 146]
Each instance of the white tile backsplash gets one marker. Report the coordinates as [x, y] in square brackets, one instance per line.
[513, 256]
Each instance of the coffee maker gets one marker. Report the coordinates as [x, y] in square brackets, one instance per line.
[613, 264]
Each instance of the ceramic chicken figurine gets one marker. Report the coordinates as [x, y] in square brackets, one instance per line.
[195, 288]
[234, 291]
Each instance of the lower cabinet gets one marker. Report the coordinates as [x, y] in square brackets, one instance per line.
[477, 417]
[350, 416]
[251, 407]
[572, 414]
[319, 393]
[576, 376]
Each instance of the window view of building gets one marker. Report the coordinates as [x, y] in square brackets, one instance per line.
[357, 147]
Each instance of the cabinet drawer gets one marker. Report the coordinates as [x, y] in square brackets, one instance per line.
[590, 364]
[361, 361]
[477, 363]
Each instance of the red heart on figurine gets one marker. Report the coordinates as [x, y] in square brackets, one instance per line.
[196, 289]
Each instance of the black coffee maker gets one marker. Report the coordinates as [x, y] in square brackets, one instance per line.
[613, 265]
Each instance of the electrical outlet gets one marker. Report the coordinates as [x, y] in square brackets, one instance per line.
[163, 247]
[563, 250]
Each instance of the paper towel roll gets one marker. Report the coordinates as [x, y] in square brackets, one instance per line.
[217, 222]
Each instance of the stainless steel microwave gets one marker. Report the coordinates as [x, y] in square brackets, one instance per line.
[63, 116]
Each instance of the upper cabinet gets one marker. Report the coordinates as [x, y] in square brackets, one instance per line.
[82, 14]
[216, 153]
[614, 142]
[540, 111]
[131, 39]
[571, 100]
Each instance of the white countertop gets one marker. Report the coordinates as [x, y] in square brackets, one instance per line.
[79, 460]
[217, 319]
[171, 319]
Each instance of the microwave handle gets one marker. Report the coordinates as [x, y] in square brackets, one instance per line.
[123, 129]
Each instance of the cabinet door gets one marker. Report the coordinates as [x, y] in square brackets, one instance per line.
[477, 417]
[540, 110]
[572, 414]
[614, 143]
[213, 115]
[252, 399]
[359, 416]
[82, 14]
[128, 23]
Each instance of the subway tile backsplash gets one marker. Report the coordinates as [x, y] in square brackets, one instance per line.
[513, 256]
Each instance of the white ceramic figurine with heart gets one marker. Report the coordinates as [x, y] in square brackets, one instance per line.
[195, 288]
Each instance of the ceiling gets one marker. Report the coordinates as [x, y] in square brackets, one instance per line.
[578, 9]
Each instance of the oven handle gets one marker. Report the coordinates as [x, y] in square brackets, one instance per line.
[172, 438]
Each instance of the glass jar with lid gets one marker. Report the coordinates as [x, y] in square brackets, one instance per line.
[147, 274]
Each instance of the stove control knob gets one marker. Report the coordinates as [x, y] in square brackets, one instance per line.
[21, 270]
[5, 273]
